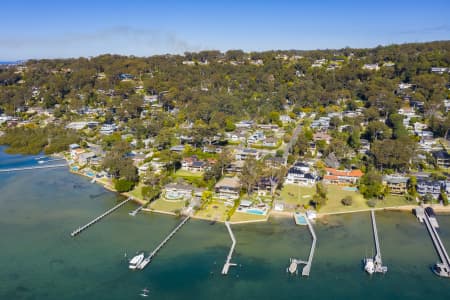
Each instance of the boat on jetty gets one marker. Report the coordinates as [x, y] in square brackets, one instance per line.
[136, 261]
[369, 265]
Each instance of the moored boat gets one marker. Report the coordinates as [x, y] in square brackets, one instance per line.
[369, 266]
[136, 260]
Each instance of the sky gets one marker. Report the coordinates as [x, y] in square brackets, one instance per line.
[69, 28]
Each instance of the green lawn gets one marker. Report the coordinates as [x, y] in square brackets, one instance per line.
[240, 217]
[300, 195]
[393, 200]
[169, 206]
[216, 210]
[137, 192]
[188, 174]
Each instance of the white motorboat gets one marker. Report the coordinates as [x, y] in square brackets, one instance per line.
[143, 263]
[369, 266]
[136, 260]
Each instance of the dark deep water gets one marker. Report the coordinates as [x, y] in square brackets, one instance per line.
[39, 259]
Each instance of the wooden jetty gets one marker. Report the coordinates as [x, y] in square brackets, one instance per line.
[294, 262]
[228, 262]
[134, 212]
[307, 268]
[378, 263]
[152, 254]
[443, 268]
[32, 168]
[82, 228]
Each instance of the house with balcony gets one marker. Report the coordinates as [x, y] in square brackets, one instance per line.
[397, 185]
[228, 188]
[428, 186]
[300, 173]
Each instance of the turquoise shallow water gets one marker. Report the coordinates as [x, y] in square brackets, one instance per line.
[39, 259]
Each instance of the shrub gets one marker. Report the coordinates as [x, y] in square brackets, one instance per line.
[444, 198]
[347, 200]
[123, 185]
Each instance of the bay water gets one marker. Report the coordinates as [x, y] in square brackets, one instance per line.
[40, 260]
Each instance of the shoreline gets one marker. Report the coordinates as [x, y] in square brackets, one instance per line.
[438, 208]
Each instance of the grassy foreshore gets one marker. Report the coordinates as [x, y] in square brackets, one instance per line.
[217, 212]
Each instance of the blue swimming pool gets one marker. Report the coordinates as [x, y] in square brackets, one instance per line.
[301, 219]
[75, 168]
[90, 174]
[350, 188]
[256, 211]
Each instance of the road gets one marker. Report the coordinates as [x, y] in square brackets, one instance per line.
[293, 140]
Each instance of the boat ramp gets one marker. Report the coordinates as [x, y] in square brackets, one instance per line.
[82, 228]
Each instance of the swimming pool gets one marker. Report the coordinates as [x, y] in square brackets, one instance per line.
[350, 188]
[90, 174]
[301, 219]
[75, 168]
[256, 211]
[172, 195]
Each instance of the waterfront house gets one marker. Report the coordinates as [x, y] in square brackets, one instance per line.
[76, 152]
[428, 186]
[85, 158]
[174, 191]
[296, 176]
[300, 173]
[265, 186]
[228, 188]
[396, 184]
[342, 177]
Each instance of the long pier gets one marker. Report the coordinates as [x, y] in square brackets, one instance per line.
[228, 262]
[442, 269]
[307, 267]
[32, 168]
[378, 263]
[82, 228]
[152, 254]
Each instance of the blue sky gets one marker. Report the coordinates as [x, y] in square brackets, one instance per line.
[64, 28]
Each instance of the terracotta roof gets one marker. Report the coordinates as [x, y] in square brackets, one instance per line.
[352, 173]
